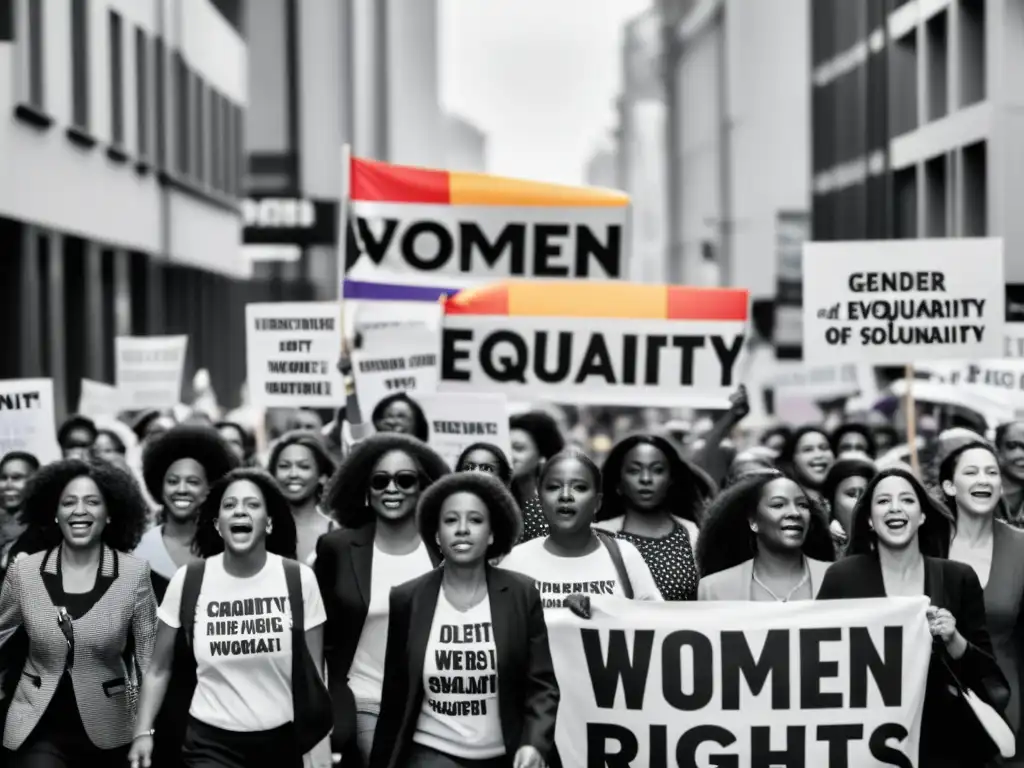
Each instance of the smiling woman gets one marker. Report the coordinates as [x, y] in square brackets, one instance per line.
[301, 465]
[63, 712]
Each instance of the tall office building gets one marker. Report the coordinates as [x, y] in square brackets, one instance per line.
[121, 130]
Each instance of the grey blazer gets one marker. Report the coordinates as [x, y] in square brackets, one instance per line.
[99, 675]
[734, 583]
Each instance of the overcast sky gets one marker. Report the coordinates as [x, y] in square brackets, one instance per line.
[538, 76]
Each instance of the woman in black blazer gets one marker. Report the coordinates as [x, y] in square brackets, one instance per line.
[468, 679]
[898, 530]
[373, 495]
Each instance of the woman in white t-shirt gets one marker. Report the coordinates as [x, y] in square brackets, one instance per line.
[468, 678]
[242, 713]
[373, 496]
[574, 559]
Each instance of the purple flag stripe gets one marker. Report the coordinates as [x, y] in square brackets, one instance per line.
[358, 289]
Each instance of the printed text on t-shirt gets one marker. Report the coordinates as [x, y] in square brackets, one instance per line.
[549, 588]
[474, 671]
[254, 626]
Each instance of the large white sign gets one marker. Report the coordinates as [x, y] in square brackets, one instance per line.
[150, 370]
[394, 361]
[897, 302]
[27, 421]
[99, 399]
[292, 354]
[728, 684]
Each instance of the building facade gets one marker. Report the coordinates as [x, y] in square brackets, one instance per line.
[121, 140]
[738, 135]
[465, 145]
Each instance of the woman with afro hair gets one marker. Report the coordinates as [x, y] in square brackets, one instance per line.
[373, 496]
[89, 515]
[655, 499]
[470, 519]
[301, 465]
[764, 539]
[243, 707]
[178, 468]
[534, 439]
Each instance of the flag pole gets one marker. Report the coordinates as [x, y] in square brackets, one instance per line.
[910, 409]
[343, 203]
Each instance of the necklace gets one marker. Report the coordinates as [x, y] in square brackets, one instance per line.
[775, 597]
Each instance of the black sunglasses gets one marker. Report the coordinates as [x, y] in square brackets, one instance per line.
[404, 481]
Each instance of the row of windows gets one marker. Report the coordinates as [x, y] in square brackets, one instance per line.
[208, 141]
[849, 115]
[838, 25]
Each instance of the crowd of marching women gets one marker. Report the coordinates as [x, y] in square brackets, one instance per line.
[173, 599]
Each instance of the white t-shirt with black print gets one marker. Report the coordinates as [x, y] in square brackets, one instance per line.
[366, 675]
[243, 643]
[460, 716]
[594, 574]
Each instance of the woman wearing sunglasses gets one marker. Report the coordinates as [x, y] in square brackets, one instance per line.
[373, 496]
[89, 614]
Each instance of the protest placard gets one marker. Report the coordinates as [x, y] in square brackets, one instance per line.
[458, 421]
[99, 399]
[1001, 380]
[27, 420]
[150, 370]
[897, 302]
[292, 352]
[596, 343]
[398, 361]
[832, 683]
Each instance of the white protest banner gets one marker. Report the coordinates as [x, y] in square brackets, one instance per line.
[440, 224]
[292, 352]
[397, 361]
[815, 683]
[898, 302]
[596, 343]
[27, 420]
[99, 399]
[1001, 380]
[458, 421]
[150, 370]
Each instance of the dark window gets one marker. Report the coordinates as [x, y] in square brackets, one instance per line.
[184, 123]
[200, 165]
[160, 75]
[237, 152]
[216, 174]
[116, 43]
[142, 91]
[36, 72]
[6, 21]
[229, 147]
[80, 63]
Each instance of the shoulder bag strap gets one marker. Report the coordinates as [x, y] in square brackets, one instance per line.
[293, 581]
[190, 597]
[612, 545]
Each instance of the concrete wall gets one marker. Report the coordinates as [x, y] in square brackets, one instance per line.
[465, 146]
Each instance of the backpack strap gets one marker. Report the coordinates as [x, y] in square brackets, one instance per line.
[293, 580]
[615, 553]
[189, 598]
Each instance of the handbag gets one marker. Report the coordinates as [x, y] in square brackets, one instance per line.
[985, 715]
[310, 699]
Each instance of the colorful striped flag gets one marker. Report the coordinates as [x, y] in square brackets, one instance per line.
[612, 343]
[447, 227]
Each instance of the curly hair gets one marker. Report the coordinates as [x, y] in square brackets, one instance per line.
[324, 463]
[25, 456]
[726, 539]
[345, 494]
[542, 428]
[932, 537]
[186, 441]
[690, 489]
[420, 428]
[504, 467]
[1002, 429]
[861, 429]
[248, 441]
[127, 511]
[506, 519]
[72, 422]
[789, 451]
[282, 539]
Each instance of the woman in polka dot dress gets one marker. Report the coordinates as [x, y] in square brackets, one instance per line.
[654, 499]
[534, 439]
